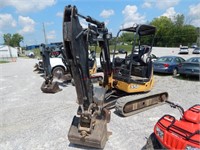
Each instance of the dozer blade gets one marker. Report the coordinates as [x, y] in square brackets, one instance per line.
[96, 139]
[132, 104]
[50, 88]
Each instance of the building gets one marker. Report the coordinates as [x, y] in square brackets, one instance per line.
[8, 53]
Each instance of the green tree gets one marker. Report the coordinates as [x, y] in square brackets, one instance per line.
[179, 20]
[164, 27]
[12, 40]
[7, 38]
[126, 37]
[173, 33]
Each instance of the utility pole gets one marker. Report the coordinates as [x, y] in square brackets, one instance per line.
[45, 38]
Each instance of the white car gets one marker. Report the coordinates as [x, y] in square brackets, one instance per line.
[31, 55]
[58, 68]
[184, 50]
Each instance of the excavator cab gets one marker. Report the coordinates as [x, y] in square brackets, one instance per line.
[134, 72]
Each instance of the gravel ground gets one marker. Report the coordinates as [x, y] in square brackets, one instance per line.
[32, 120]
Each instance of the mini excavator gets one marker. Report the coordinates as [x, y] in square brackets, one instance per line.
[122, 77]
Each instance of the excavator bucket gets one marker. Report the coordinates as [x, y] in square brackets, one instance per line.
[36, 67]
[96, 139]
[50, 87]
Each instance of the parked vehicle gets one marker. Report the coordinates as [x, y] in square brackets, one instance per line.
[122, 51]
[153, 57]
[57, 67]
[31, 55]
[196, 51]
[194, 45]
[167, 64]
[172, 133]
[114, 52]
[184, 50]
[190, 67]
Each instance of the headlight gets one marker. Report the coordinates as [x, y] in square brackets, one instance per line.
[159, 132]
[188, 147]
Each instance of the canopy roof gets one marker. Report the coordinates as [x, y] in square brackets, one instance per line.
[141, 29]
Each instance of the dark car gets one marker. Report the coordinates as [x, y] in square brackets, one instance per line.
[167, 64]
[194, 45]
[122, 51]
[190, 67]
[196, 51]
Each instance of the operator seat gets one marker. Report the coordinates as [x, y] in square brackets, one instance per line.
[143, 56]
[141, 64]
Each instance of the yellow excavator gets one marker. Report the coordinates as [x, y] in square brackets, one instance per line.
[122, 78]
[133, 74]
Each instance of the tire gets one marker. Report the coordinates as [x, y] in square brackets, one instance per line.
[152, 143]
[175, 72]
[58, 72]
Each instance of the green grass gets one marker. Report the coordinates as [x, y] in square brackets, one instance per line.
[37, 53]
[3, 61]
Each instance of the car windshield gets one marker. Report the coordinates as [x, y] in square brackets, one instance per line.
[194, 59]
[164, 59]
[197, 49]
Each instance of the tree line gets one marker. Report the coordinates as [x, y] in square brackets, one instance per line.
[169, 33]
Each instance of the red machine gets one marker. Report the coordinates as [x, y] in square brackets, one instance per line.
[171, 133]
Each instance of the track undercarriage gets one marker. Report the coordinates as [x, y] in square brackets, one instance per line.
[132, 104]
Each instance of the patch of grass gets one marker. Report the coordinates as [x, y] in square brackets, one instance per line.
[37, 53]
[3, 61]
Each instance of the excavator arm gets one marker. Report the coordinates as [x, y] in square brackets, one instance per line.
[89, 127]
[48, 85]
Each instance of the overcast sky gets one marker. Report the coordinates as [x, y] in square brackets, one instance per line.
[26, 17]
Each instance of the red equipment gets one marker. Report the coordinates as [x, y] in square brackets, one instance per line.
[171, 133]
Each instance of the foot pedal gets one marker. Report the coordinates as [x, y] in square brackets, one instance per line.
[96, 139]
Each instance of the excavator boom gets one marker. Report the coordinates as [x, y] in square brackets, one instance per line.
[89, 127]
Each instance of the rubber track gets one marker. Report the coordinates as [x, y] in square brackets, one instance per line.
[122, 101]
